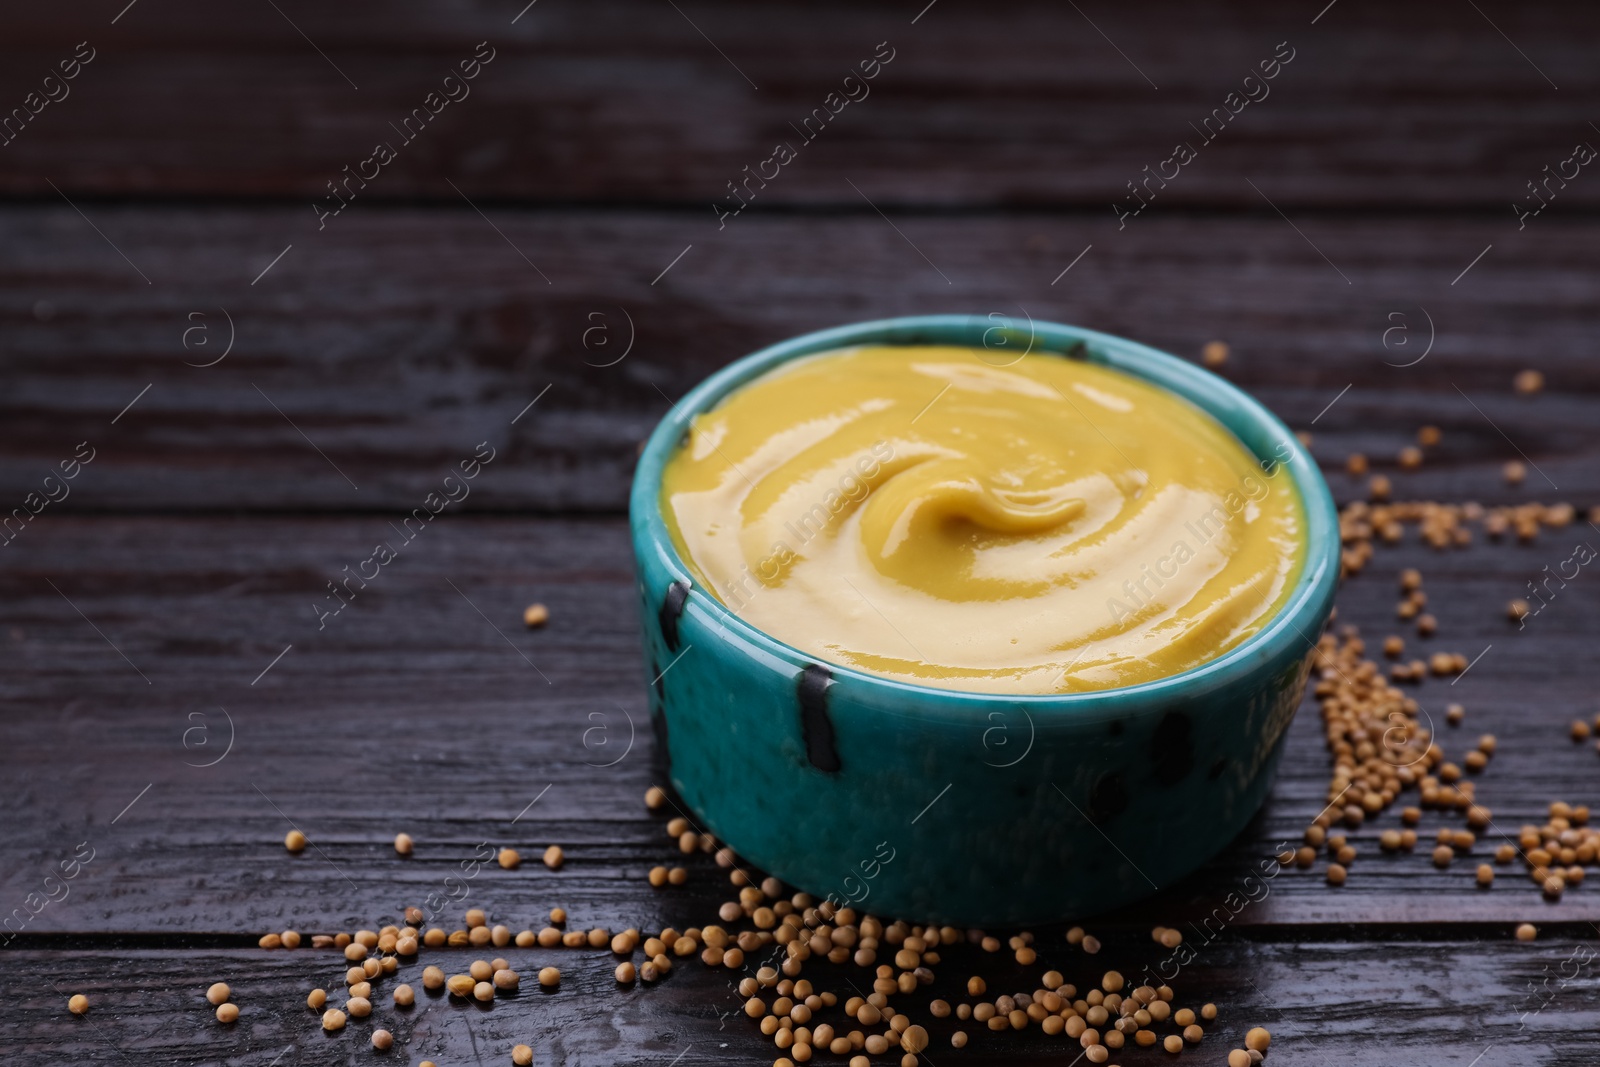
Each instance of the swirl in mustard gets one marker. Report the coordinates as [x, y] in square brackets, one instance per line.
[926, 514]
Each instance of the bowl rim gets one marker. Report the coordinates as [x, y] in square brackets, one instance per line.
[1311, 598]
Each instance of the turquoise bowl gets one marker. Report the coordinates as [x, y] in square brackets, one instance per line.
[935, 805]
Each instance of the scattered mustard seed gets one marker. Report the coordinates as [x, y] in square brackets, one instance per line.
[1258, 1039]
[521, 1055]
[78, 1004]
[402, 844]
[333, 1019]
[227, 1013]
[654, 797]
[382, 1040]
[1514, 472]
[1410, 457]
[1527, 932]
[1528, 382]
[549, 977]
[218, 993]
[1428, 436]
[1214, 354]
[294, 841]
[554, 857]
[509, 858]
[535, 615]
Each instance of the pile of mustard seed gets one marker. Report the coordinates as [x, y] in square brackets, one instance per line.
[1383, 743]
[773, 943]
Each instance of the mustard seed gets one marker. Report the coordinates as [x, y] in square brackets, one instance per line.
[294, 841]
[522, 1055]
[483, 992]
[333, 1019]
[1410, 457]
[678, 876]
[1091, 944]
[1172, 1043]
[654, 797]
[382, 1040]
[1336, 874]
[625, 973]
[361, 989]
[1238, 1058]
[509, 859]
[1258, 1039]
[549, 977]
[475, 917]
[404, 996]
[1443, 855]
[1485, 874]
[1214, 354]
[1527, 932]
[1514, 472]
[402, 844]
[78, 1004]
[1428, 436]
[358, 1007]
[535, 616]
[316, 999]
[554, 857]
[1356, 463]
[1528, 382]
[218, 993]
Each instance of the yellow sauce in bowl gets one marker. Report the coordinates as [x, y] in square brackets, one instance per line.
[931, 515]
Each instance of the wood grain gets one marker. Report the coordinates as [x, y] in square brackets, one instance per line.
[993, 105]
[409, 711]
[374, 356]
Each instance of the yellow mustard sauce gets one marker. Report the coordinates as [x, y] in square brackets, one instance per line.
[933, 515]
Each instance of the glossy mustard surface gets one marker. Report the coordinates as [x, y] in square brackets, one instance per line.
[963, 518]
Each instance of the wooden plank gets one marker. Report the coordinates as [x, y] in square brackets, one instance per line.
[1021, 103]
[409, 712]
[1446, 998]
[371, 358]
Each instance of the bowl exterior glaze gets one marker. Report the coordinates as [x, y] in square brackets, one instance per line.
[974, 809]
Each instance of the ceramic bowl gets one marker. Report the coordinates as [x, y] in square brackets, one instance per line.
[976, 809]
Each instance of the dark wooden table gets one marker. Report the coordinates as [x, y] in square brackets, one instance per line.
[266, 386]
